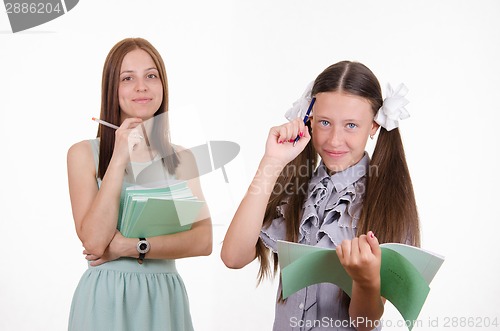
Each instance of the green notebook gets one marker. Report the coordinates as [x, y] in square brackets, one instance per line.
[155, 211]
[406, 273]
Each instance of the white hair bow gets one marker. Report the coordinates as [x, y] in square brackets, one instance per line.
[393, 108]
[299, 107]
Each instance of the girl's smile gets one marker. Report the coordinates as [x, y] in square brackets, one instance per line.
[140, 91]
[341, 124]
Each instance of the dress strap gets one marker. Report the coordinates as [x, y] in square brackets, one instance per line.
[94, 143]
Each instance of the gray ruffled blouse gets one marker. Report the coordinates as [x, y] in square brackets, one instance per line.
[331, 212]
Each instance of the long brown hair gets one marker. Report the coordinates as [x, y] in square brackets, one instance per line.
[389, 208]
[110, 107]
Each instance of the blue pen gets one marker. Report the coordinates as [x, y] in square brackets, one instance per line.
[306, 118]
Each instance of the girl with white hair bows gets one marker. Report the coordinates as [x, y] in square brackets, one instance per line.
[350, 201]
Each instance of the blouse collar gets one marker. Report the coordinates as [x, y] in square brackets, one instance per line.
[342, 179]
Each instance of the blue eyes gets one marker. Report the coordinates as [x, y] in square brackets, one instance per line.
[325, 123]
[351, 126]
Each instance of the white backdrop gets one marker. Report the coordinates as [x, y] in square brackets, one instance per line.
[234, 68]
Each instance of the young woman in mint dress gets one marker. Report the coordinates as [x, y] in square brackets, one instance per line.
[119, 290]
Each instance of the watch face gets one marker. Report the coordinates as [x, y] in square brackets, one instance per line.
[143, 246]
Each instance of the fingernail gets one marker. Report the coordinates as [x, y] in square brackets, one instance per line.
[280, 142]
[372, 235]
[301, 134]
[291, 140]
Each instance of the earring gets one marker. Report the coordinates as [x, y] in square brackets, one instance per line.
[371, 136]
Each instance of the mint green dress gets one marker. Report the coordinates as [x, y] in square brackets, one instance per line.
[127, 296]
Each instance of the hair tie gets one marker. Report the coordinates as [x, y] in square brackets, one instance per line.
[299, 107]
[393, 108]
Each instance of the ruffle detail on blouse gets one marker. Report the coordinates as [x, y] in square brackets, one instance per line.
[330, 212]
[333, 206]
[276, 231]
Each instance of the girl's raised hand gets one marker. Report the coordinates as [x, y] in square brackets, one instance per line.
[280, 141]
[126, 137]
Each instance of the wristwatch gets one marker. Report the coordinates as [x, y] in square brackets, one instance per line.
[143, 247]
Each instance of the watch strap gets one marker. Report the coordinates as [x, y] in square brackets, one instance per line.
[141, 255]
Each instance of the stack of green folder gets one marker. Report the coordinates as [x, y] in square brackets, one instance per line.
[155, 211]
